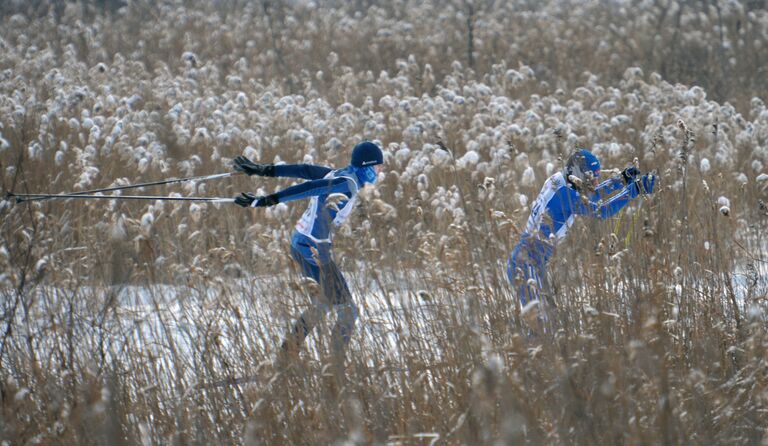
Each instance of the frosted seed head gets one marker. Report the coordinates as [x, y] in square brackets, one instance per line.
[195, 212]
[189, 58]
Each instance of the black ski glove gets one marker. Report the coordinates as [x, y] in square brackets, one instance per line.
[629, 174]
[243, 164]
[248, 199]
[245, 199]
[642, 185]
[269, 200]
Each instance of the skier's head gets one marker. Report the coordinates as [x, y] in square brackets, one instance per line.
[366, 154]
[367, 158]
[582, 168]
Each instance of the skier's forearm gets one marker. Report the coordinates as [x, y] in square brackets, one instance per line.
[609, 186]
[305, 171]
[313, 189]
[613, 205]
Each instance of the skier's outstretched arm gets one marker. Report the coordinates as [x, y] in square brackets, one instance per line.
[613, 184]
[616, 203]
[611, 207]
[608, 187]
[304, 171]
[314, 188]
[325, 186]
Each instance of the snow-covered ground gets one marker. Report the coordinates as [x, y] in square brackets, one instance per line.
[250, 315]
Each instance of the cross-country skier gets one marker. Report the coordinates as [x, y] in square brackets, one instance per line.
[573, 191]
[312, 238]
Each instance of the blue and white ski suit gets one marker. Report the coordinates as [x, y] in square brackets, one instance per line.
[311, 242]
[552, 214]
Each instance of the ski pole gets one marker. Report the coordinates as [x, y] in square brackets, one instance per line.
[20, 198]
[135, 186]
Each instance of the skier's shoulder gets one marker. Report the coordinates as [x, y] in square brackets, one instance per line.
[558, 184]
[347, 174]
[553, 184]
[557, 180]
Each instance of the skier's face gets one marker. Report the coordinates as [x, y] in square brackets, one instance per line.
[588, 183]
[368, 174]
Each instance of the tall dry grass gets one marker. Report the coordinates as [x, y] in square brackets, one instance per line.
[156, 323]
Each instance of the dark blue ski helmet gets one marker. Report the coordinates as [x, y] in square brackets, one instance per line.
[581, 164]
[367, 154]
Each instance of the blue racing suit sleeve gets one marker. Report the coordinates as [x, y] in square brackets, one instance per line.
[610, 207]
[316, 187]
[305, 171]
[607, 187]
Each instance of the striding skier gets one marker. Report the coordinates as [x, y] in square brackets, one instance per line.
[311, 241]
[573, 191]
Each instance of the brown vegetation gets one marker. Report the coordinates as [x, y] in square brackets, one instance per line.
[127, 322]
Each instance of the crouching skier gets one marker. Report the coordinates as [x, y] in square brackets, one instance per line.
[311, 241]
[573, 191]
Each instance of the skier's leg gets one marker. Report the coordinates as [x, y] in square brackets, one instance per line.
[309, 319]
[537, 289]
[529, 280]
[346, 316]
[337, 293]
[520, 271]
[303, 326]
[517, 273]
[533, 282]
[531, 285]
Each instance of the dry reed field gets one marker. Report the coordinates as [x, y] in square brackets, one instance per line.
[156, 322]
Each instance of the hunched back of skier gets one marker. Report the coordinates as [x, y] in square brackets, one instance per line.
[311, 243]
[573, 191]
